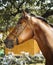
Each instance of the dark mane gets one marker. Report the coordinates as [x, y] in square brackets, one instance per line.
[39, 17]
[43, 19]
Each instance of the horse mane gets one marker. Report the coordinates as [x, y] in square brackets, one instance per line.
[43, 19]
[39, 17]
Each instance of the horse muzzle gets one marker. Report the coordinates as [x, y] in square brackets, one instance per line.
[8, 43]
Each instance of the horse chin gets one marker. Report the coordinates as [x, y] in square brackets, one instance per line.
[9, 46]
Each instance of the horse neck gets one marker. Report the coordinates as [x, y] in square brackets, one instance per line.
[44, 39]
[45, 27]
[48, 32]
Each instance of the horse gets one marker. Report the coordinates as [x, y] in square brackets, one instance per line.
[33, 27]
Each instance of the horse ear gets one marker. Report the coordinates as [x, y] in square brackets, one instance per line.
[24, 13]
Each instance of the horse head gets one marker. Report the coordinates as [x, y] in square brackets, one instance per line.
[21, 32]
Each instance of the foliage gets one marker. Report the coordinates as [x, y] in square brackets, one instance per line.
[10, 10]
[23, 59]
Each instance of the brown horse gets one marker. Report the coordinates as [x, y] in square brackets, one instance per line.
[36, 27]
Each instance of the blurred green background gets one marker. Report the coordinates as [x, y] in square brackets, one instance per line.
[10, 11]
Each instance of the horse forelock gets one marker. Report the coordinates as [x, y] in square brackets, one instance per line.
[19, 20]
